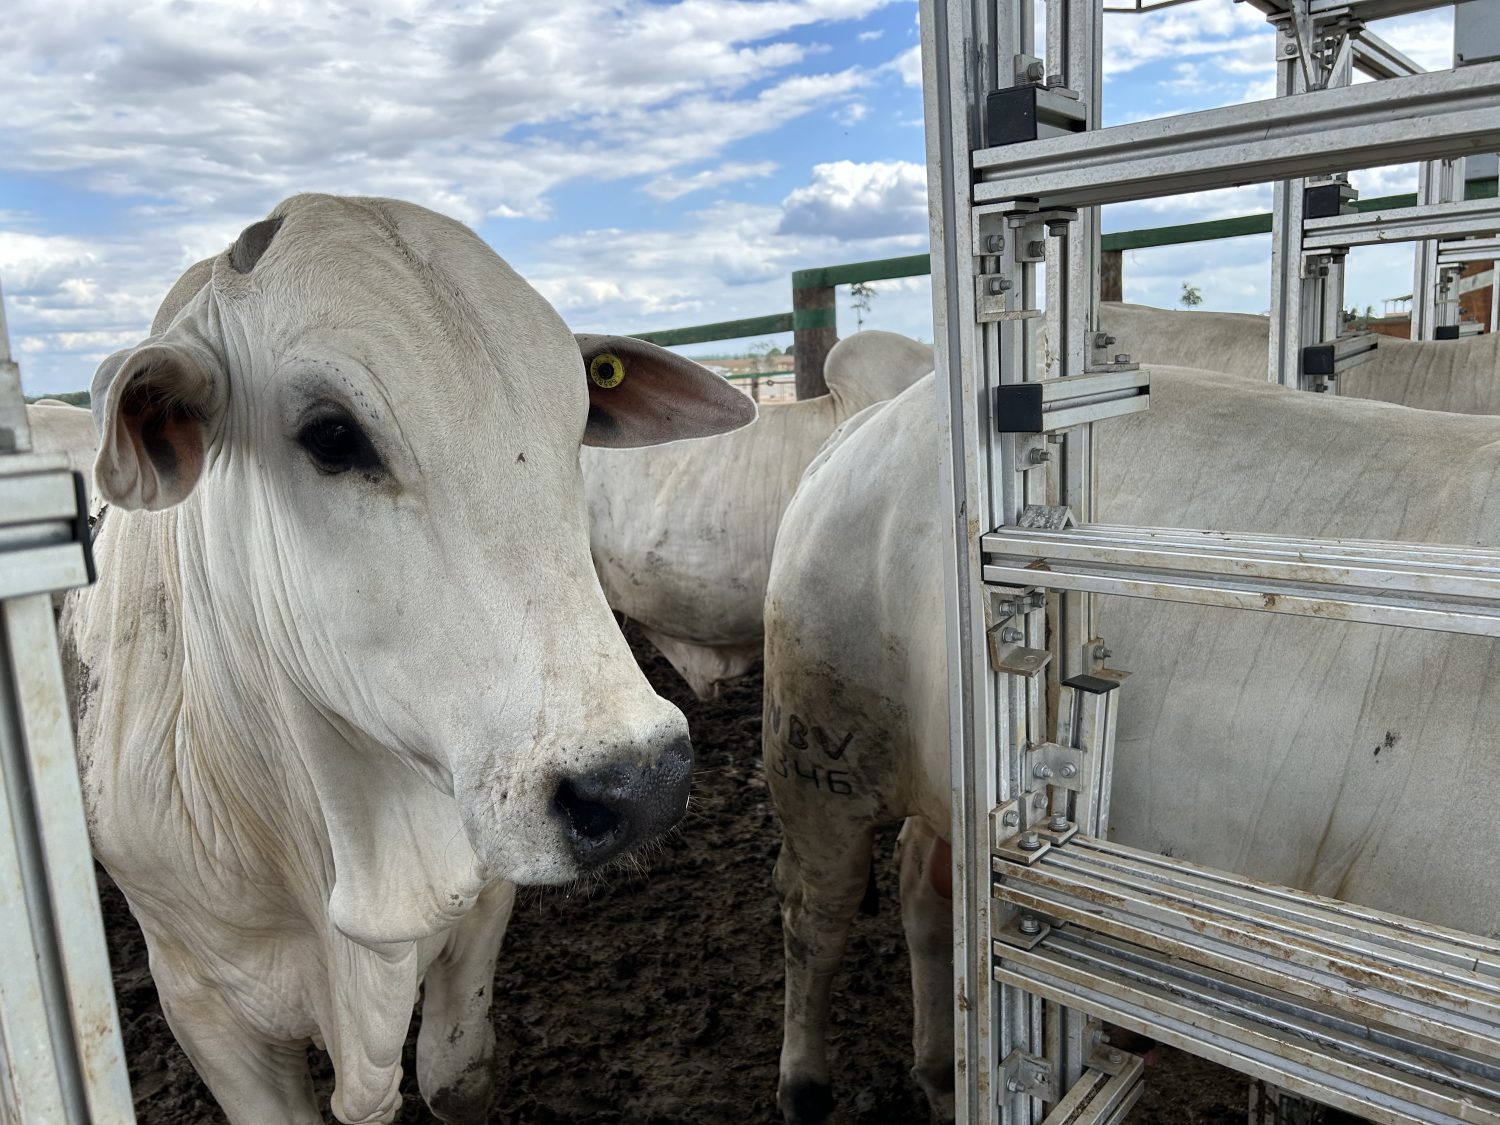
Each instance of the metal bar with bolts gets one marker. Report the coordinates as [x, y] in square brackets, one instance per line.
[1402, 224]
[1423, 116]
[1448, 589]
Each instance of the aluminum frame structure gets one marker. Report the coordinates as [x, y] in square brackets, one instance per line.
[1055, 928]
[61, 1056]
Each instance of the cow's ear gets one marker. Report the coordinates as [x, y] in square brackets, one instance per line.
[155, 407]
[640, 394]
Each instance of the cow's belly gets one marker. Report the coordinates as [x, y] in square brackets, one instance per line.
[1350, 760]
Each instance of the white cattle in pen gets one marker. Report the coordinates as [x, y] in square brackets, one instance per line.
[682, 534]
[57, 427]
[1340, 758]
[347, 673]
[1462, 376]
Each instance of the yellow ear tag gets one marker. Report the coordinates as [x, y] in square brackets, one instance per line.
[607, 370]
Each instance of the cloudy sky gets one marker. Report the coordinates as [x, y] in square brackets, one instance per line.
[647, 165]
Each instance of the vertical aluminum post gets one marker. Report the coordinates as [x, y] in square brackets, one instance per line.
[1442, 181]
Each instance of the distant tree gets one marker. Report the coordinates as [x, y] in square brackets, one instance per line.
[1192, 296]
[763, 354]
[861, 293]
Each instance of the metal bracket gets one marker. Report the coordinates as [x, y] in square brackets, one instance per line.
[1011, 848]
[1021, 1073]
[1052, 764]
[1048, 517]
[1022, 930]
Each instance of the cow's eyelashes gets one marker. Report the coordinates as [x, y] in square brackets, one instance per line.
[336, 444]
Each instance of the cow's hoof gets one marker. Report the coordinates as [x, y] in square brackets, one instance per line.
[805, 1102]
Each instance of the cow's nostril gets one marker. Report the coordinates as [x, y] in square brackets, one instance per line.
[589, 819]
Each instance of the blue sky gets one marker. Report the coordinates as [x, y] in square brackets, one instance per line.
[646, 165]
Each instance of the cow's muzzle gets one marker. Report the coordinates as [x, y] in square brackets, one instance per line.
[616, 808]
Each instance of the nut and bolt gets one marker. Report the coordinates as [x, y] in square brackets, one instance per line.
[1041, 771]
[1122, 357]
[1036, 71]
[1115, 1058]
[1039, 456]
[1030, 924]
[1010, 818]
[1068, 769]
[1000, 284]
[1039, 801]
[1011, 635]
[1101, 653]
[994, 243]
[1054, 79]
[1058, 823]
[1103, 339]
[1036, 248]
[1030, 842]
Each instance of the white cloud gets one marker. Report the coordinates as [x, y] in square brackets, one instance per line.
[869, 36]
[669, 187]
[851, 114]
[849, 201]
[473, 110]
[908, 64]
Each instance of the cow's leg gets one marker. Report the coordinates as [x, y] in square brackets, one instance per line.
[252, 1080]
[821, 876]
[456, 1046]
[927, 914]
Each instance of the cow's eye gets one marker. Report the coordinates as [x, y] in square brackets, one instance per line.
[336, 444]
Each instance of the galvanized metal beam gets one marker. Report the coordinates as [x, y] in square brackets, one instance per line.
[1420, 117]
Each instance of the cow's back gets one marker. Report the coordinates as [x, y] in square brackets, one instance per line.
[1338, 757]
[682, 534]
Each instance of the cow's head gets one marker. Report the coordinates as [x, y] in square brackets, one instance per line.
[369, 427]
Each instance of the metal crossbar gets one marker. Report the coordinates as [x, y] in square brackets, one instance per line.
[1449, 589]
[1418, 117]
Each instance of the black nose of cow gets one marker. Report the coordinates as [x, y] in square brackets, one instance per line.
[618, 807]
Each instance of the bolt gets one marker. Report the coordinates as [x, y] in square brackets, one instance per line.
[1036, 248]
[1030, 842]
[1054, 79]
[1101, 653]
[1289, 48]
[1058, 823]
[1041, 771]
[1036, 71]
[1096, 1036]
[1000, 284]
[1039, 456]
[1011, 635]
[1115, 1058]
[994, 243]
[1039, 801]
[1069, 769]
[1122, 358]
[1030, 924]
[1010, 818]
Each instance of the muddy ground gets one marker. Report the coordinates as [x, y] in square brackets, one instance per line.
[656, 1000]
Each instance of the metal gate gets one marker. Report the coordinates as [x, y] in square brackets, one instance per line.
[1376, 1014]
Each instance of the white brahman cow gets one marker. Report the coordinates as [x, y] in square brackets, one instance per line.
[1462, 376]
[347, 673]
[1351, 760]
[682, 534]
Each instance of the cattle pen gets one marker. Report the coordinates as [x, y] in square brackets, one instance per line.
[1060, 934]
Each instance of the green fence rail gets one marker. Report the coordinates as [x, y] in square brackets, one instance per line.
[917, 265]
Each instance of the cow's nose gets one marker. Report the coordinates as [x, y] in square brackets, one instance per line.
[618, 807]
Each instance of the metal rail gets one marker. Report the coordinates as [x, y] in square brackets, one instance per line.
[1420, 117]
